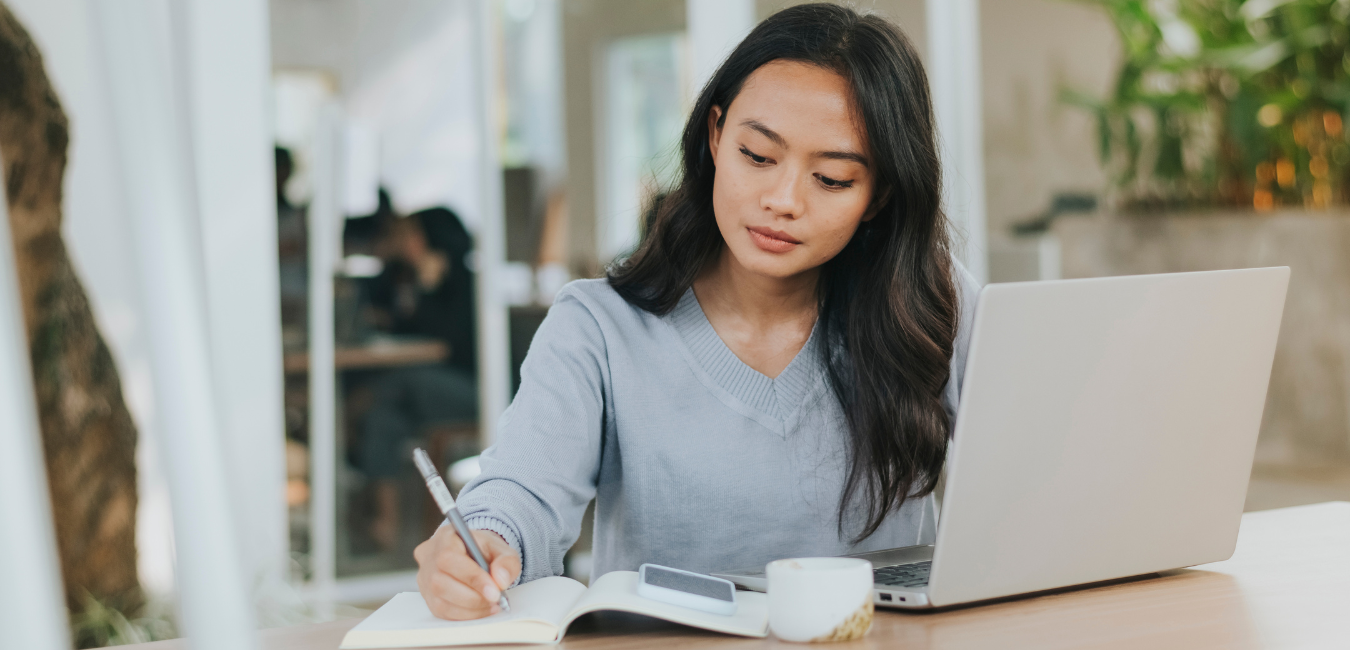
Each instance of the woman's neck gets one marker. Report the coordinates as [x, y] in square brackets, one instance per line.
[765, 321]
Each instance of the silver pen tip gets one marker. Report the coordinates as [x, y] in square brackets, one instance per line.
[424, 464]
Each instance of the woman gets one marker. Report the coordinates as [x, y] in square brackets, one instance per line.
[774, 371]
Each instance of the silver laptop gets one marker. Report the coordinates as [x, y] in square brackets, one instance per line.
[1106, 430]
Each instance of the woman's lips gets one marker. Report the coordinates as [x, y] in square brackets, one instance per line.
[770, 240]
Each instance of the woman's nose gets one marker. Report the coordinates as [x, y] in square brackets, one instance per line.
[784, 196]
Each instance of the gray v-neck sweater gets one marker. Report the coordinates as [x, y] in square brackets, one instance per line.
[696, 460]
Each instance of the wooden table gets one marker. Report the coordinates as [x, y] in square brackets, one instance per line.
[1286, 586]
[381, 353]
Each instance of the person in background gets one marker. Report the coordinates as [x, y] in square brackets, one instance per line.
[292, 255]
[426, 289]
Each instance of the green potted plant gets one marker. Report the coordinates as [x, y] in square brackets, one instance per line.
[1226, 103]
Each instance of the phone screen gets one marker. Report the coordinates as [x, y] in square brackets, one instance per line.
[691, 584]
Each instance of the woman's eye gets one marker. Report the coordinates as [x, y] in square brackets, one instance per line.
[758, 160]
[833, 184]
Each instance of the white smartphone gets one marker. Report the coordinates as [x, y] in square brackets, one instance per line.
[687, 589]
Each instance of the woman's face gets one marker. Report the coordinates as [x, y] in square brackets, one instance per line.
[793, 179]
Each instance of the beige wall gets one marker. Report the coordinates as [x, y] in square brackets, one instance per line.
[587, 26]
[1034, 146]
[1306, 423]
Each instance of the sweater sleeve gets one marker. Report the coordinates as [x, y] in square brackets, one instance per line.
[541, 472]
[967, 294]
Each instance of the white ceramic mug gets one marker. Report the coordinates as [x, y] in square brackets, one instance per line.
[820, 599]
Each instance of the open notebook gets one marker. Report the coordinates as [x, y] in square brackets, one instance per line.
[540, 613]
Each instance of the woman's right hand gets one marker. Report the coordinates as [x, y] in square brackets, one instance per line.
[453, 584]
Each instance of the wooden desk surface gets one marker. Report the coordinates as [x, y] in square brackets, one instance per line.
[1286, 586]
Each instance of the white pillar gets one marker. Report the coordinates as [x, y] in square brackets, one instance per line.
[715, 28]
[32, 604]
[954, 76]
[494, 343]
[158, 169]
[325, 220]
[228, 81]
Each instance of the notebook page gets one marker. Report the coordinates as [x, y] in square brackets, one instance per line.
[617, 591]
[537, 609]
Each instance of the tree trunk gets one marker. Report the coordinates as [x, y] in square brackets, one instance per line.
[88, 436]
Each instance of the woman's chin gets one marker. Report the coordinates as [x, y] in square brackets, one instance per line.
[780, 266]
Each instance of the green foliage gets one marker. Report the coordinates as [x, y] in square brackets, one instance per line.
[100, 624]
[1226, 102]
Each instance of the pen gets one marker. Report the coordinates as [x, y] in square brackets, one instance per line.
[447, 505]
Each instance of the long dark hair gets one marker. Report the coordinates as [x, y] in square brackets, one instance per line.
[887, 306]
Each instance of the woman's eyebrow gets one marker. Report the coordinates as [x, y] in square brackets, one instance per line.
[766, 132]
[851, 156]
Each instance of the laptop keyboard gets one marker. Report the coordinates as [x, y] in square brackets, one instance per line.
[903, 575]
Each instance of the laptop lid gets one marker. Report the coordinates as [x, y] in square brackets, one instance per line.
[1106, 429]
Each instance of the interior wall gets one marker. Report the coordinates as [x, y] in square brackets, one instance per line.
[1035, 146]
[587, 26]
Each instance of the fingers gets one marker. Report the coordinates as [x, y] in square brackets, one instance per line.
[452, 583]
[505, 569]
[463, 568]
[503, 561]
[453, 600]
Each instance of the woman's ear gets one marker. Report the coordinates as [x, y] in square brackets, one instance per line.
[714, 131]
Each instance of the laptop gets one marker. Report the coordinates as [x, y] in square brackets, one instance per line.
[1106, 430]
